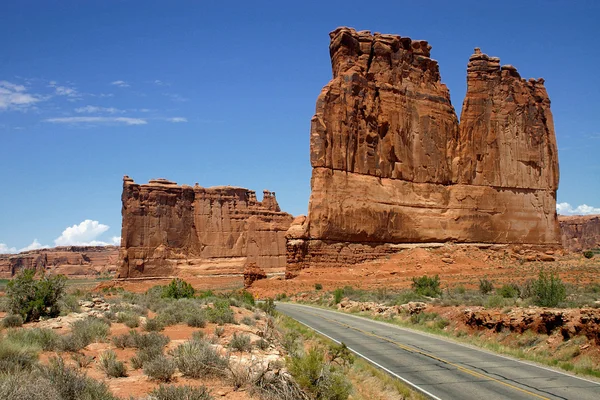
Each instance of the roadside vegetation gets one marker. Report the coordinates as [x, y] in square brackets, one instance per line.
[129, 335]
[431, 306]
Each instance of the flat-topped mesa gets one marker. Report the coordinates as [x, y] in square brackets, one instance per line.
[506, 129]
[391, 164]
[580, 232]
[169, 228]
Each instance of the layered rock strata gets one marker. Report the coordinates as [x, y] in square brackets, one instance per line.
[391, 164]
[73, 261]
[580, 232]
[169, 229]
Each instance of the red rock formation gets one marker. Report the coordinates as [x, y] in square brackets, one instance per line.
[67, 260]
[580, 232]
[168, 229]
[253, 273]
[391, 164]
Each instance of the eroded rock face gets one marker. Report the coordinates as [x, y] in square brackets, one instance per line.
[67, 260]
[580, 232]
[169, 229]
[253, 273]
[392, 165]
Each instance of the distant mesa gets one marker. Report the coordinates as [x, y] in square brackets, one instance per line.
[580, 232]
[169, 230]
[391, 164]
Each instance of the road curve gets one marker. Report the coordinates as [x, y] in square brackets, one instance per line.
[439, 368]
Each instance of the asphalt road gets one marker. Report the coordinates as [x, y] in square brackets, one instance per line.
[439, 368]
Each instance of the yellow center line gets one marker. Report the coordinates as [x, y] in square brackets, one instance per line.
[414, 350]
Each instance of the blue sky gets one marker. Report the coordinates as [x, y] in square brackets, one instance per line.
[222, 92]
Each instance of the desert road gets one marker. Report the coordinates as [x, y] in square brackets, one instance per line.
[439, 368]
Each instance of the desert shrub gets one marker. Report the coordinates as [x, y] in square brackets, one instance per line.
[15, 356]
[148, 340]
[588, 254]
[268, 306]
[423, 317]
[82, 360]
[177, 311]
[196, 359]
[219, 331]
[197, 320]
[153, 325]
[27, 385]
[262, 344]
[160, 368]
[122, 341]
[130, 319]
[178, 289]
[549, 290]
[248, 321]
[109, 364]
[338, 294]
[90, 330]
[340, 354]
[180, 393]
[427, 286]
[494, 301]
[318, 286]
[485, 286]
[243, 297]
[406, 296]
[220, 313]
[198, 335]
[12, 321]
[45, 339]
[69, 304]
[508, 291]
[31, 298]
[72, 384]
[291, 342]
[240, 342]
[315, 375]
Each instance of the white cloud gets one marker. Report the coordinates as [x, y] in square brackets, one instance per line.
[4, 249]
[115, 240]
[84, 234]
[177, 119]
[96, 109]
[13, 96]
[35, 245]
[175, 97]
[97, 120]
[158, 82]
[584, 209]
[66, 91]
[120, 83]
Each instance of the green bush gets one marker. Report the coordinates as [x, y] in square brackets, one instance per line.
[45, 339]
[130, 319]
[240, 342]
[160, 368]
[178, 289]
[426, 286]
[318, 286]
[26, 385]
[153, 325]
[588, 254]
[220, 313]
[509, 291]
[112, 367]
[181, 393]
[152, 339]
[485, 286]
[268, 306]
[197, 320]
[15, 356]
[72, 384]
[31, 298]
[318, 377]
[494, 301]
[548, 290]
[196, 359]
[248, 321]
[12, 321]
[262, 344]
[338, 294]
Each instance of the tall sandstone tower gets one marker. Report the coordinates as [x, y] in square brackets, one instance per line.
[392, 165]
